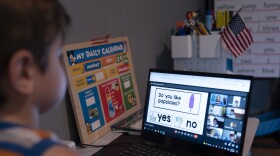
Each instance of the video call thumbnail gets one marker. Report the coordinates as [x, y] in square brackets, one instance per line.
[235, 125]
[224, 115]
[215, 121]
[237, 102]
[218, 99]
[226, 100]
[231, 136]
[214, 132]
[235, 113]
[217, 110]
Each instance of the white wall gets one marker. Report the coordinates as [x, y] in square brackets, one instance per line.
[147, 23]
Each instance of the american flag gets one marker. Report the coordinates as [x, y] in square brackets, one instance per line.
[236, 36]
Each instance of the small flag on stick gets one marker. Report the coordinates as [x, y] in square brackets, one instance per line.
[236, 36]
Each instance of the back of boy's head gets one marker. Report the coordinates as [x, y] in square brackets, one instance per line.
[31, 25]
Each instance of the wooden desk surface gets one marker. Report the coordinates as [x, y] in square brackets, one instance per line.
[261, 150]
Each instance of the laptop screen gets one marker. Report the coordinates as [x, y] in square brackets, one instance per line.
[203, 109]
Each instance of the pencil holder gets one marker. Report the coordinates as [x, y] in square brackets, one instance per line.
[209, 46]
[203, 53]
[182, 46]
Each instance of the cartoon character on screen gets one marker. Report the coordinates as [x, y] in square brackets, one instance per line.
[71, 57]
[111, 108]
[191, 103]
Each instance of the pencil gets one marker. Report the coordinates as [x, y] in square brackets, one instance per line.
[201, 26]
[195, 28]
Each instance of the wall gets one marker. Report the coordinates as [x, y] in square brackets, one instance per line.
[147, 23]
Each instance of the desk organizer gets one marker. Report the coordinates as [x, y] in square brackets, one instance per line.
[181, 46]
[202, 53]
[209, 46]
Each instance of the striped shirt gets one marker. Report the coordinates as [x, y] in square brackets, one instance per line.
[17, 140]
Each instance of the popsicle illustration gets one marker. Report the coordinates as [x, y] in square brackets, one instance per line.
[110, 103]
[191, 103]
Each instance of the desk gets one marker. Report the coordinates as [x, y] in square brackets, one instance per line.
[268, 151]
[250, 131]
[256, 151]
[104, 140]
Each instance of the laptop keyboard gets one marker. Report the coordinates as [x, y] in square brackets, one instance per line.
[144, 150]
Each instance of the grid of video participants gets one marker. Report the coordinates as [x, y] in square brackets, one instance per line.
[225, 117]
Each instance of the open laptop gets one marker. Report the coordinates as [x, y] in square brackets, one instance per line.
[197, 113]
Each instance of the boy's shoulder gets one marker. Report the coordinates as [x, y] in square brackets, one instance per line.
[23, 140]
[61, 151]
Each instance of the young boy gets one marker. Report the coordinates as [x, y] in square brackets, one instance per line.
[31, 77]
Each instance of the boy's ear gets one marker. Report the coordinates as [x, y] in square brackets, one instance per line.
[21, 71]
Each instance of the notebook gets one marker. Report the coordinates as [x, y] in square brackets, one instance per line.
[198, 113]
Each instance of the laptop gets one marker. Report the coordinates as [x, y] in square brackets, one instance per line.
[196, 113]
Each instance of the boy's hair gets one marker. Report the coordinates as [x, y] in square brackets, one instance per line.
[32, 25]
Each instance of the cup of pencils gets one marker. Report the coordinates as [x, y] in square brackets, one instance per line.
[195, 24]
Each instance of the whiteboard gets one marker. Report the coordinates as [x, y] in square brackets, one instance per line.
[262, 18]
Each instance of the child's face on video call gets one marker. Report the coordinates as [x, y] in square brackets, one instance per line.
[52, 83]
